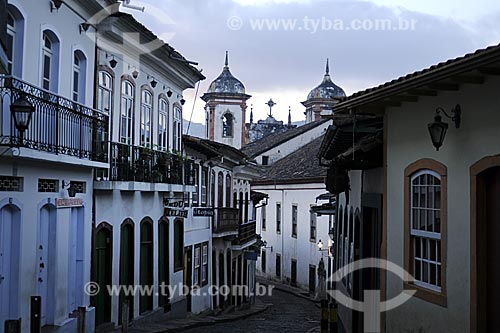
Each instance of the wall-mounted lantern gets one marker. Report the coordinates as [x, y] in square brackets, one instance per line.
[438, 128]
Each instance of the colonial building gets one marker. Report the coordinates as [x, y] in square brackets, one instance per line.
[144, 231]
[226, 109]
[286, 222]
[434, 157]
[321, 99]
[51, 139]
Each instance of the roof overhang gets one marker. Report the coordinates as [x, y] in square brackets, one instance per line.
[446, 76]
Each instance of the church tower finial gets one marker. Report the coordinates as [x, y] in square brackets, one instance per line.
[327, 66]
[227, 59]
[289, 116]
[251, 114]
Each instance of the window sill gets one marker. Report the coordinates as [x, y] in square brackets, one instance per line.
[312, 240]
[427, 295]
[294, 236]
[178, 269]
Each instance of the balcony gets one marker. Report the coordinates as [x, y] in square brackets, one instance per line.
[247, 232]
[58, 126]
[143, 165]
[226, 222]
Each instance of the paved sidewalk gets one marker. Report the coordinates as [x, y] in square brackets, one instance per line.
[177, 325]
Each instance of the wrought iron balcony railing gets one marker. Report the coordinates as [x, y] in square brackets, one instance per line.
[227, 220]
[58, 125]
[141, 164]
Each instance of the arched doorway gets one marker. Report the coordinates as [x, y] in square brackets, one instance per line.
[126, 266]
[163, 263]
[10, 225]
[146, 265]
[104, 268]
[46, 255]
[485, 245]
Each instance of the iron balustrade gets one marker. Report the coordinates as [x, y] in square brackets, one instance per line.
[227, 220]
[141, 164]
[58, 125]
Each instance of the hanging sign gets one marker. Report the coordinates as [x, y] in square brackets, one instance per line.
[69, 202]
[171, 212]
[204, 212]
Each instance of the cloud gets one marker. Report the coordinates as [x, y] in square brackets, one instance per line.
[285, 62]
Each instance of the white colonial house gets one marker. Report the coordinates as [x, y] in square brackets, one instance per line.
[145, 233]
[51, 139]
[428, 145]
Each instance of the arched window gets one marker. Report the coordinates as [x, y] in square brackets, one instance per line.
[79, 76]
[228, 190]
[105, 93]
[177, 129]
[50, 61]
[127, 110]
[146, 112]
[220, 189]
[15, 41]
[163, 124]
[246, 208]
[227, 125]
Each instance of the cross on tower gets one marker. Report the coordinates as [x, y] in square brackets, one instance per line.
[271, 104]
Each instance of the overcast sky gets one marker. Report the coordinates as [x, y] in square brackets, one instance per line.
[286, 62]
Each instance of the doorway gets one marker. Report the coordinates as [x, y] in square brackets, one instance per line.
[294, 273]
[221, 279]
[487, 256]
[146, 266]
[188, 274]
[126, 267]
[312, 279]
[46, 255]
[163, 264]
[10, 222]
[104, 266]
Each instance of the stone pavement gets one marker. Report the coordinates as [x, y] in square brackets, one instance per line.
[289, 289]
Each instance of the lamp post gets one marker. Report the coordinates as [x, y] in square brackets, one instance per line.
[22, 111]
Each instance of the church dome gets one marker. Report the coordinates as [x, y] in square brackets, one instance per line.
[327, 89]
[226, 83]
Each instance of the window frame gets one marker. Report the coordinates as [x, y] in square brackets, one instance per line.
[204, 264]
[146, 117]
[420, 167]
[295, 213]
[103, 89]
[263, 217]
[163, 123]
[177, 129]
[178, 245]
[127, 101]
[313, 227]
[278, 217]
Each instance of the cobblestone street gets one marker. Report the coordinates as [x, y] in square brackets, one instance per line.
[287, 313]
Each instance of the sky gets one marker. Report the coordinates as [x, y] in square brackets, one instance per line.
[278, 48]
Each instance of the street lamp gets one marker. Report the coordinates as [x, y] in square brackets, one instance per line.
[438, 128]
[22, 111]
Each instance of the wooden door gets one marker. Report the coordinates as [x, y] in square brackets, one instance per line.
[46, 262]
[9, 269]
[104, 266]
[163, 263]
[146, 267]
[488, 251]
[294, 272]
[221, 279]
[126, 267]
[188, 274]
